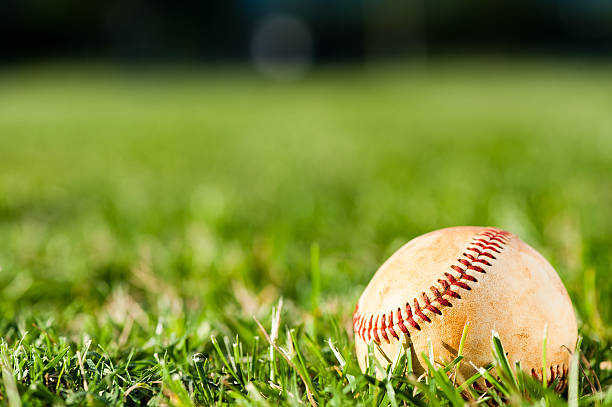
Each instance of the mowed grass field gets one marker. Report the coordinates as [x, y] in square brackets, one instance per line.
[147, 215]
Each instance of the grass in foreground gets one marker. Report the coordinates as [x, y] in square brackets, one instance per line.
[143, 215]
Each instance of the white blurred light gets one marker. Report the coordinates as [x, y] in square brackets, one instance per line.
[281, 47]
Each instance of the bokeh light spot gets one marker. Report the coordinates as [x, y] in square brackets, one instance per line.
[281, 47]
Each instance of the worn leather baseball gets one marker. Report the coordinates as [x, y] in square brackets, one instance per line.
[437, 282]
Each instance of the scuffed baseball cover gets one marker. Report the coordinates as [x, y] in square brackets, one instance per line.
[433, 285]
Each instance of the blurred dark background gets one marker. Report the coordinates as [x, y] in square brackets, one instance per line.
[306, 31]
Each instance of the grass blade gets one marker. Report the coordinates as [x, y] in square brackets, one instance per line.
[315, 273]
[8, 378]
[227, 365]
[572, 396]
[503, 365]
[443, 382]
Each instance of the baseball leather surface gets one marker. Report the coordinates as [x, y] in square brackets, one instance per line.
[434, 284]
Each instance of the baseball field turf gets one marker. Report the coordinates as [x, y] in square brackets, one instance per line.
[150, 217]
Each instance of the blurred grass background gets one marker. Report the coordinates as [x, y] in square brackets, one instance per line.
[139, 206]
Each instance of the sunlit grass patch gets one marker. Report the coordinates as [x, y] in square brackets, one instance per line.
[141, 216]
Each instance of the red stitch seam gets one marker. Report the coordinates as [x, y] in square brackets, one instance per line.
[382, 326]
[556, 372]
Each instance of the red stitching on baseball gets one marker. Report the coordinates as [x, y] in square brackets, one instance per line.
[482, 261]
[383, 329]
[411, 320]
[447, 291]
[453, 281]
[400, 322]
[476, 268]
[392, 331]
[376, 338]
[556, 371]
[487, 241]
[439, 297]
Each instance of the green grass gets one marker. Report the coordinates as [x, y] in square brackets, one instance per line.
[146, 216]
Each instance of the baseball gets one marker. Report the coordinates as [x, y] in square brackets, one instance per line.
[427, 291]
